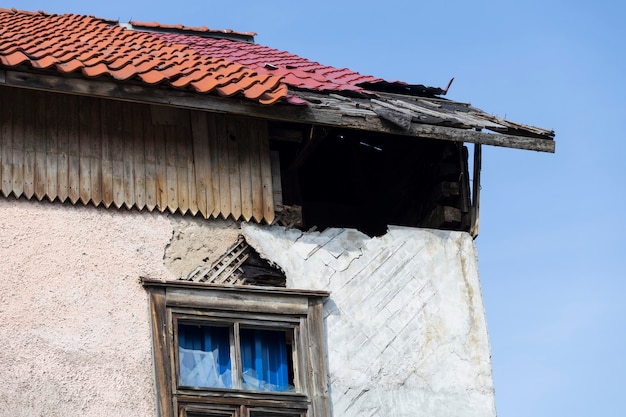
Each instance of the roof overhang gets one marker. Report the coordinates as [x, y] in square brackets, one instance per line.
[383, 112]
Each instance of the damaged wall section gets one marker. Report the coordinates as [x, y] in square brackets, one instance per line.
[405, 321]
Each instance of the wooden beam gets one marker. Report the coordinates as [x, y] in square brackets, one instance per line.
[475, 209]
[323, 110]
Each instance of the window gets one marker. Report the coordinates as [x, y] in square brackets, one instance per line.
[237, 351]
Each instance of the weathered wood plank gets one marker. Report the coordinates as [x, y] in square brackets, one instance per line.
[18, 145]
[52, 140]
[199, 133]
[251, 303]
[189, 159]
[139, 168]
[158, 315]
[318, 368]
[233, 136]
[245, 141]
[129, 149]
[475, 209]
[181, 168]
[108, 118]
[223, 159]
[150, 159]
[321, 114]
[171, 154]
[161, 167]
[85, 144]
[117, 136]
[277, 185]
[95, 152]
[29, 147]
[63, 146]
[255, 175]
[266, 173]
[40, 144]
[214, 204]
[7, 104]
[73, 138]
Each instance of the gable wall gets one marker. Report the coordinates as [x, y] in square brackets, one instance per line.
[112, 153]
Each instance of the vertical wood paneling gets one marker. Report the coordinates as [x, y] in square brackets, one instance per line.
[255, 173]
[85, 139]
[171, 150]
[199, 133]
[222, 161]
[107, 117]
[233, 169]
[181, 164]
[266, 173]
[213, 208]
[161, 167]
[245, 141]
[73, 138]
[190, 184]
[28, 168]
[63, 146]
[95, 152]
[18, 145]
[40, 146]
[150, 158]
[115, 153]
[52, 140]
[6, 141]
[139, 171]
[116, 136]
[128, 149]
[137, 138]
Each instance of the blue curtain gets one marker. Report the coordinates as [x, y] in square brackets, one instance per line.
[264, 360]
[204, 353]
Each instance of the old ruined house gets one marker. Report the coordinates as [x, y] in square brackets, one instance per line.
[197, 225]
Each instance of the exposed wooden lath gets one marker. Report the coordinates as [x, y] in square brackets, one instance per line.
[112, 153]
[240, 265]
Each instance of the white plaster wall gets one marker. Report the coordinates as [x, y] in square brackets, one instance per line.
[405, 321]
[74, 319]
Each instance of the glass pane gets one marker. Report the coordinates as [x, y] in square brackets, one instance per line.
[204, 356]
[266, 357]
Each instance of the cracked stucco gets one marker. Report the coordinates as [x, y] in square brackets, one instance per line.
[405, 323]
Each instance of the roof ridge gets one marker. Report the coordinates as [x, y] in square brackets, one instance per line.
[196, 30]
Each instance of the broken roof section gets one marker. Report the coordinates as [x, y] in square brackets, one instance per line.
[191, 60]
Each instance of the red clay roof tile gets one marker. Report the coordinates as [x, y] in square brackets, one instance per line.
[70, 43]
[297, 71]
[195, 58]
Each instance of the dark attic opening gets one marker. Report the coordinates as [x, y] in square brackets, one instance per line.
[367, 181]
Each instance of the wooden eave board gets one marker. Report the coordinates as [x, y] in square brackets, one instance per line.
[327, 110]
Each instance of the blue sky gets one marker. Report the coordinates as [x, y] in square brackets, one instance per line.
[553, 226]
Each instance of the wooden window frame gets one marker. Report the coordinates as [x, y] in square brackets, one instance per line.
[272, 308]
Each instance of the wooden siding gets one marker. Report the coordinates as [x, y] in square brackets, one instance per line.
[112, 153]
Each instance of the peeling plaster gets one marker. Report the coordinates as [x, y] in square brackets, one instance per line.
[197, 243]
[405, 322]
